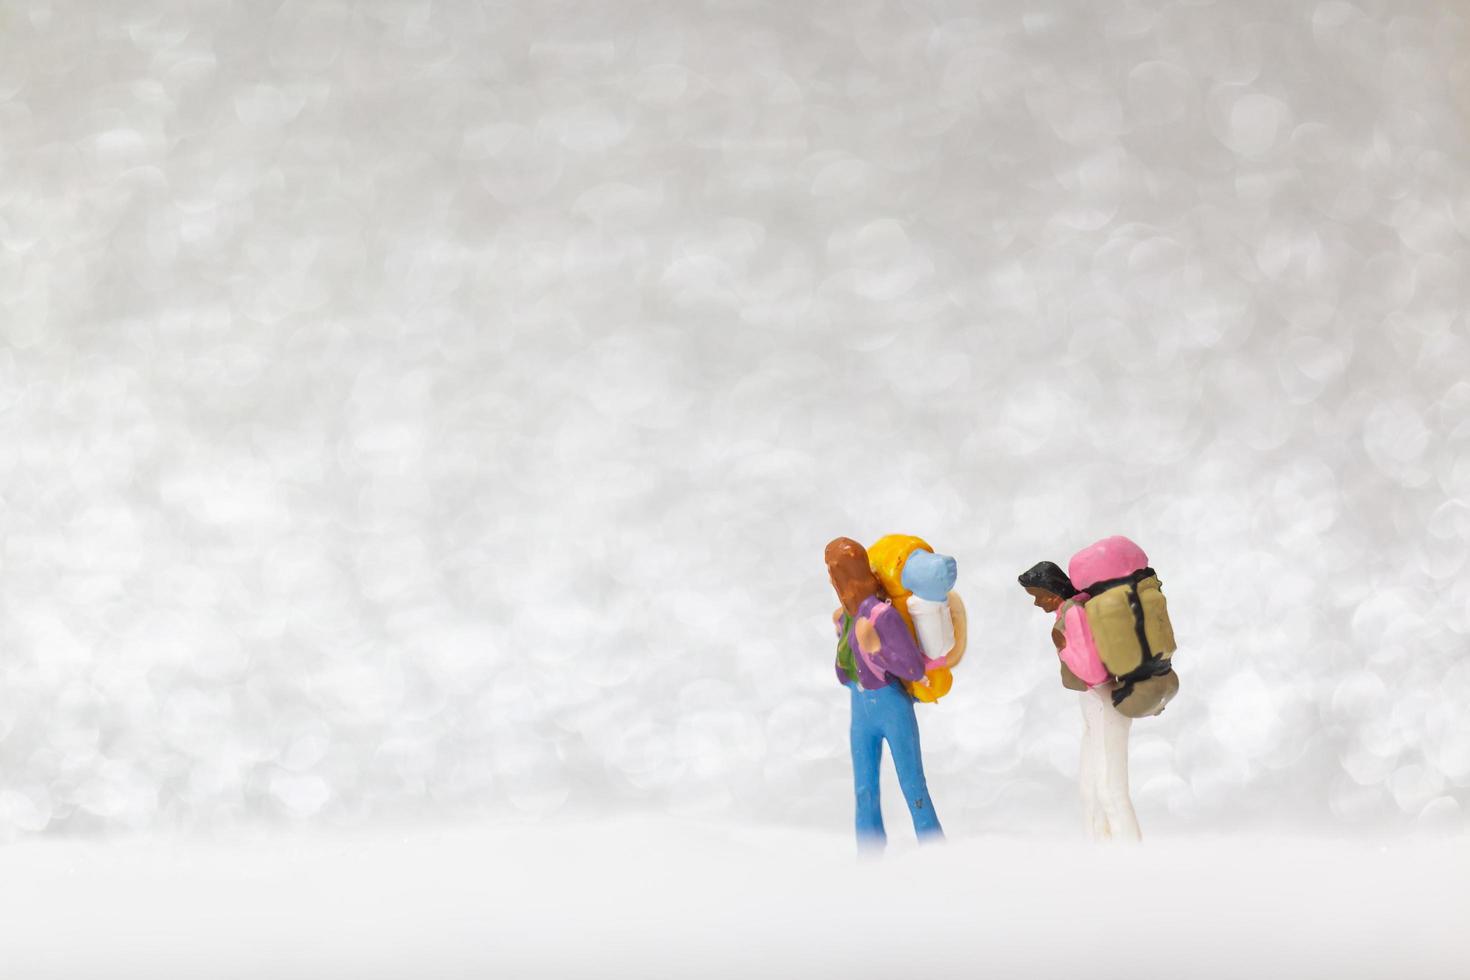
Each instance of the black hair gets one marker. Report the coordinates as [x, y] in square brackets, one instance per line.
[1046, 575]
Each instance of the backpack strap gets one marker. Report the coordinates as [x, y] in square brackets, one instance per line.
[1133, 578]
[1153, 666]
[1139, 629]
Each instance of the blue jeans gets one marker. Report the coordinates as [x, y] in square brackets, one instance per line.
[888, 713]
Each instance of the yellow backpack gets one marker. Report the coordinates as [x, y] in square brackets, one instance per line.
[887, 557]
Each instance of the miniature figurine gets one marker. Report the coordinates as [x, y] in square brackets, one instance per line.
[1114, 639]
[876, 653]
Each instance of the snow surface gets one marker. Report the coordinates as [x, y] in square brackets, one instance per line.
[663, 898]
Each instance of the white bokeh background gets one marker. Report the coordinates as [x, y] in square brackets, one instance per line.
[420, 409]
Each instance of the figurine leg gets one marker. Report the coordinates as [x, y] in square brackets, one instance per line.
[902, 732]
[1090, 771]
[867, 753]
[1116, 803]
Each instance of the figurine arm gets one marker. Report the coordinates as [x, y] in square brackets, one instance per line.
[1071, 681]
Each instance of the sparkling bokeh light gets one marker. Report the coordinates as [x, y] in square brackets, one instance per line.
[416, 409]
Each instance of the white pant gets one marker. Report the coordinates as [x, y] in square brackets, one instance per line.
[1104, 772]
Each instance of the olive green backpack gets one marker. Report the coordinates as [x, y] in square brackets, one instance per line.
[1129, 620]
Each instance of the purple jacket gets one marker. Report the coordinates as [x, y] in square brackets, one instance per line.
[898, 656]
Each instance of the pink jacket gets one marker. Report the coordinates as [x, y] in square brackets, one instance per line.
[1109, 558]
[1080, 653]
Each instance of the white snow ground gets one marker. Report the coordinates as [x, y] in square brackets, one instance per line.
[658, 897]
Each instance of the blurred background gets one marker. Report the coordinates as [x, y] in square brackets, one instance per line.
[420, 410]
